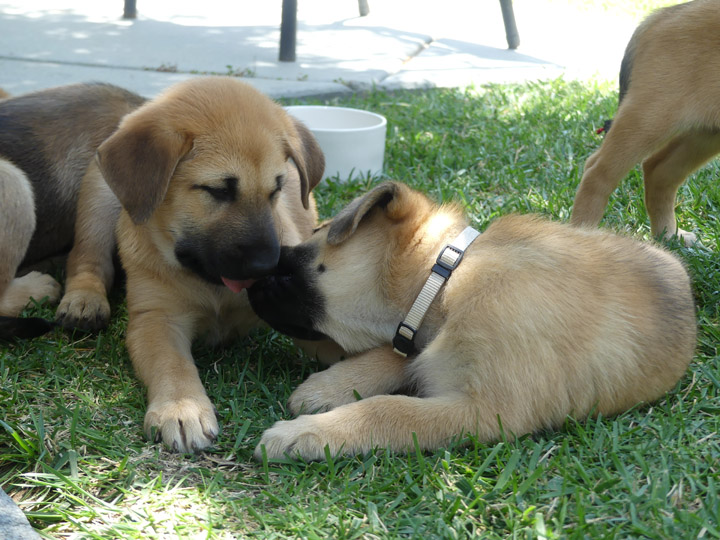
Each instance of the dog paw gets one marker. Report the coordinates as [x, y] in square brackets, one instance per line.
[319, 393]
[688, 238]
[86, 310]
[183, 425]
[33, 285]
[301, 437]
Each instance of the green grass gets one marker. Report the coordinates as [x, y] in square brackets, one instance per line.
[71, 448]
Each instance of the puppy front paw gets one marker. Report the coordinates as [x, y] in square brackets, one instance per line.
[686, 237]
[183, 425]
[321, 392]
[87, 310]
[301, 437]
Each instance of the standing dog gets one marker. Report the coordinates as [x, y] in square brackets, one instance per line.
[213, 177]
[669, 114]
[52, 197]
[538, 321]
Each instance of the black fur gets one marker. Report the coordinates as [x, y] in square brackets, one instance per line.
[223, 252]
[23, 327]
[289, 300]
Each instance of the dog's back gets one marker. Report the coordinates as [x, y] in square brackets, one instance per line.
[51, 136]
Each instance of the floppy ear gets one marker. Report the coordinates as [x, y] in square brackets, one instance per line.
[389, 196]
[308, 157]
[137, 162]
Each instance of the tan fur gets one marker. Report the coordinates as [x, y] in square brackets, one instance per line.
[17, 224]
[161, 163]
[52, 198]
[539, 321]
[669, 115]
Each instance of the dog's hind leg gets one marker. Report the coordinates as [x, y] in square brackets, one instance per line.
[666, 170]
[635, 134]
[90, 269]
[17, 225]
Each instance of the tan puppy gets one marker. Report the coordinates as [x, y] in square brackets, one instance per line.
[52, 197]
[669, 114]
[539, 321]
[213, 177]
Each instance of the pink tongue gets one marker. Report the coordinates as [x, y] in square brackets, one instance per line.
[237, 286]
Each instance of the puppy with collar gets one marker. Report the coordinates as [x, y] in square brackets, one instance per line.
[668, 116]
[537, 321]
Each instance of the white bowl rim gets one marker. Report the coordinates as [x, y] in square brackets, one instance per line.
[380, 117]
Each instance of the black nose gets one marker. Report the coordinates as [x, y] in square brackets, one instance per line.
[251, 261]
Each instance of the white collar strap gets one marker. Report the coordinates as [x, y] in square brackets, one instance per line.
[447, 261]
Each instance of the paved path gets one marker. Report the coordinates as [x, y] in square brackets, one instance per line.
[401, 44]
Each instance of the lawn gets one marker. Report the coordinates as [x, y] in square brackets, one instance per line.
[73, 456]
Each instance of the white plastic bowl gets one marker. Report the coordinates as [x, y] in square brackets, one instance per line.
[352, 140]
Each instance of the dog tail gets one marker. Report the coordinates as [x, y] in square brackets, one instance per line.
[23, 327]
[625, 69]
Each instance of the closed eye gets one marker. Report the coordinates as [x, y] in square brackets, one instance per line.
[221, 193]
[279, 183]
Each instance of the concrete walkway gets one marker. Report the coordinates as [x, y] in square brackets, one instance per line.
[401, 44]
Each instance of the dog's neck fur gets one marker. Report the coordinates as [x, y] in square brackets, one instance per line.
[413, 254]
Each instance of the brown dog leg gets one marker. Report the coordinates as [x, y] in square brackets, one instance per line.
[179, 412]
[633, 136]
[666, 170]
[90, 268]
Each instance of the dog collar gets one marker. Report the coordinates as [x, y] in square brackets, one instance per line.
[447, 261]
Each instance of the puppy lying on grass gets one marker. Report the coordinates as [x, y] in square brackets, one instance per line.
[537, 321]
